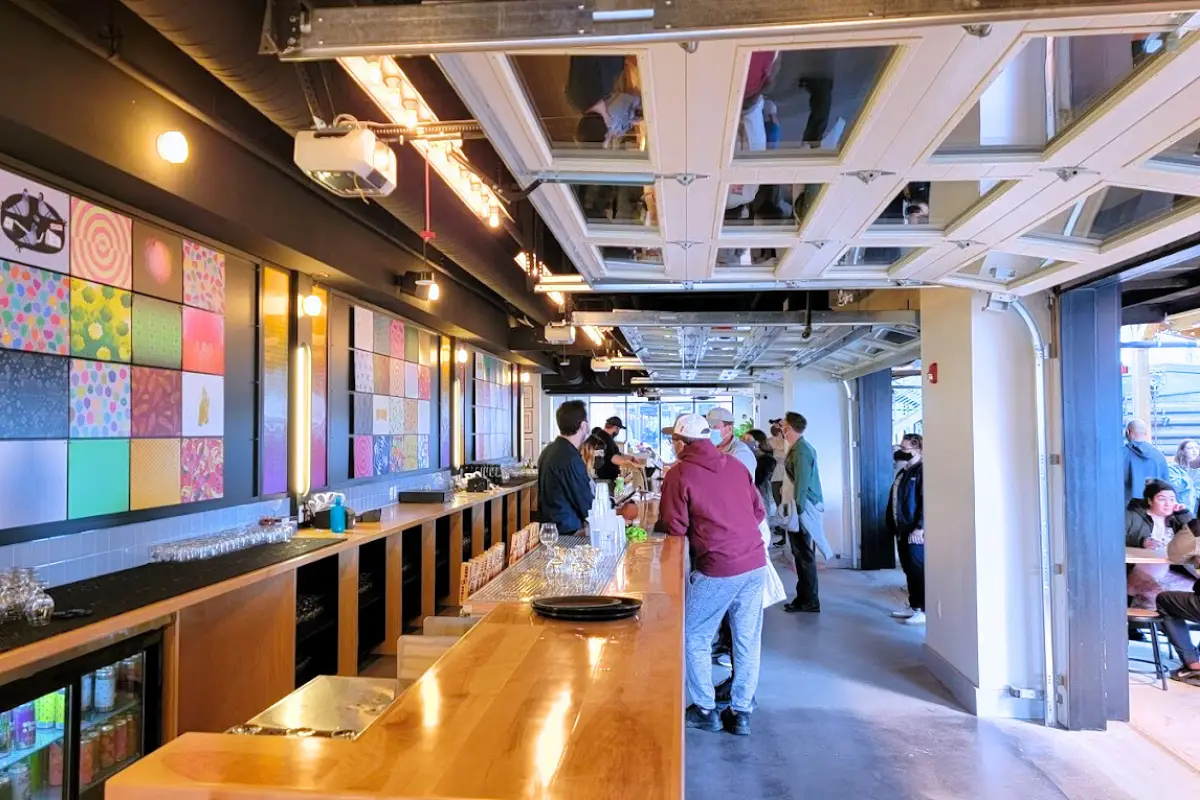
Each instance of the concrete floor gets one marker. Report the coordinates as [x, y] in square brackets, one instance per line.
[846, 710]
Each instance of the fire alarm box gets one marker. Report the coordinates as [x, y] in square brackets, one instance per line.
[933, 372]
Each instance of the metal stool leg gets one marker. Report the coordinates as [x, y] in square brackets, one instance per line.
[1158, 666]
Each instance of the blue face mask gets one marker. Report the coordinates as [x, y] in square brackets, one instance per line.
[716, 436]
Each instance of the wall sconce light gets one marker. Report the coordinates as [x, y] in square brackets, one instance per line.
[461, 355]
[524, 377]
[311, 305]
[421, 285]
[434, 291]
[172, 147]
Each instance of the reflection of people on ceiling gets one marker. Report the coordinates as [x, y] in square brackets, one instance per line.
[837, 82]
[603, 89]
[910, 207]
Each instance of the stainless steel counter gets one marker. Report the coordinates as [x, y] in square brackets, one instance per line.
[327, 706]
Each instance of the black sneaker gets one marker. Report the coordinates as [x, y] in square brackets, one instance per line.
[811, 608]
[736, 722]
[704, 719]
[724, 691]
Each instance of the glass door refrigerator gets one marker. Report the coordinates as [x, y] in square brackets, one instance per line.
[67, 729]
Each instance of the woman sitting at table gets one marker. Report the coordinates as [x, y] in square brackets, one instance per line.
[1151, 523]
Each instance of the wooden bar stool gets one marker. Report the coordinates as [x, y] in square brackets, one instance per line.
[1146, 618]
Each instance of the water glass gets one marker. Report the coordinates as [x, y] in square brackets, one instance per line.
[548, 534]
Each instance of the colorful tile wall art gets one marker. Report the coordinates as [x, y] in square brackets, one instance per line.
[157, 333]
[363, 465]
[381, 415]
[33, 482]
[396, 347]
[157, 465]
[100, 400]
[364, 372]
[397, 458]
[395, 414]
[203, 277]
[101, 245]
[383, 455]
[364, 329]
[157, 262]
[33, 223]
[396, 384]
[383, 335]
[34, 309]
[273, 453]
[203, 405]
[33, 396]
[202, 470]
[422, 452]
[319, 456]
[101, 321]
[156, 403]
[494, 415]
[362, 414]
[204, 341]
[385, 387]
[424, 383]
[93, 403]
[97, 477]
[412, 381]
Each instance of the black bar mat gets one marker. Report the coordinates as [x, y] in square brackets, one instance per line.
[119, 592]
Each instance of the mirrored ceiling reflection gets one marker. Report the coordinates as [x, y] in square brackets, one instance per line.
[930, 205]
[632, 256]
[609, 204]
[1051, 83]
[798, 101]
[1004, 267]
[586, 102]
[1184, 153]
[776, 205]
[742, 257]
[1108, 213]
[871, 258]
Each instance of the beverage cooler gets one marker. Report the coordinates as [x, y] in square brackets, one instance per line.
[67, 729]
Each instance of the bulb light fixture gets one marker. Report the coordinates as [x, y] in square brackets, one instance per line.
[311, 305]
[461, 355]
[172, 147]
[525, 262]
[400, 101]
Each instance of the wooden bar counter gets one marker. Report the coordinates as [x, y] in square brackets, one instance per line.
[521, 707]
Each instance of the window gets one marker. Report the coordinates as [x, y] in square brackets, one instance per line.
[644, 419]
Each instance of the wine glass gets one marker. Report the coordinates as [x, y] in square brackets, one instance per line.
[548, 534]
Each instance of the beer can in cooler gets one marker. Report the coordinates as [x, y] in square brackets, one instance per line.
[43, 712]
[54, 768]
[106, 747]
[19, 775]
[134, 735]
[24, 726]
[36, 762]
[87, 759]
[6, 788]
[120, 738]
[60, 708]
[86, 692]
[6, 735]
[104, 694]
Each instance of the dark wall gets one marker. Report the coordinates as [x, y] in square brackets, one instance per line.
[875, 469]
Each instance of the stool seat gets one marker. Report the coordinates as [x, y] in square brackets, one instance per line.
[1147, 614]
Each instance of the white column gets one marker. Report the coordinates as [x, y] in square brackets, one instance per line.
[981, 504]
[823, 403]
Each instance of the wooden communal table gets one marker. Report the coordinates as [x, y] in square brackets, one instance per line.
[521, 707]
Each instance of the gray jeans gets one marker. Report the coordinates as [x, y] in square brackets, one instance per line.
[708, 601]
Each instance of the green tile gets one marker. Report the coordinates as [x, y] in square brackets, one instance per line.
[157, 333]
[97, 477]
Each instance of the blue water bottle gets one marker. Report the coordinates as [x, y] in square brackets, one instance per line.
[337, 516]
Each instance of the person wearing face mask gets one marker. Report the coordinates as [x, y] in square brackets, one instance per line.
[712, 501]
[906, 521]
[720, 423]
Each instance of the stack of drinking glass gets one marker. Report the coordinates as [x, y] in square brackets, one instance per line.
[225, 542]
[22, 593]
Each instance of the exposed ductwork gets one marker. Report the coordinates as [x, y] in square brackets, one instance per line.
[223, 36]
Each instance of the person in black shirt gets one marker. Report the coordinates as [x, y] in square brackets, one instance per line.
[564, 491]
[613, 460]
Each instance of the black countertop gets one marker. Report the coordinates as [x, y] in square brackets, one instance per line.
[121, 592]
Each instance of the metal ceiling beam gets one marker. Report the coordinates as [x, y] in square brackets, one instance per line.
[629, 318]
[905, 356]
[807, 359]
[323, 31]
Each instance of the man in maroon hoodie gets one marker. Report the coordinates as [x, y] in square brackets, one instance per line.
[710, 498]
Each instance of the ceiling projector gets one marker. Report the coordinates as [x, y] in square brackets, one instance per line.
[560, 333]
[350, 162]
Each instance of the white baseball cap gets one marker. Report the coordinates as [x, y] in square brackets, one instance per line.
[689, 426]
[719, 414]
